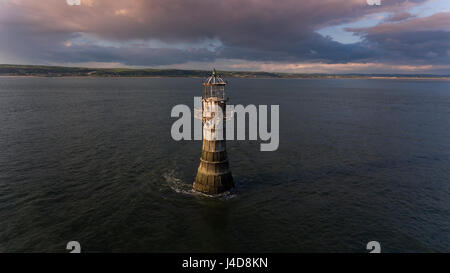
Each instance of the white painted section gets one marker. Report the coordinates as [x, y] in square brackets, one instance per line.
[212, 127]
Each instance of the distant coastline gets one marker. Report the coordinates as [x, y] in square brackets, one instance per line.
[7, 70]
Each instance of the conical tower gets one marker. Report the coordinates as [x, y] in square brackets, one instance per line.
[213, 175]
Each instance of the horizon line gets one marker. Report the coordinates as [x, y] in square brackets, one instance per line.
[226, 71]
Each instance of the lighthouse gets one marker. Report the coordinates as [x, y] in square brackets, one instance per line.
[213, 174]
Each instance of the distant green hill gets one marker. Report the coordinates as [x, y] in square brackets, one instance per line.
[61, 71]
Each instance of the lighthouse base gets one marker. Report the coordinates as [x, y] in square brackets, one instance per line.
[213, 183]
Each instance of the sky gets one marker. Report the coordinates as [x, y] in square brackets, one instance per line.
[295, 36]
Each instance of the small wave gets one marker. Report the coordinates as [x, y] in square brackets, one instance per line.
[177, 185]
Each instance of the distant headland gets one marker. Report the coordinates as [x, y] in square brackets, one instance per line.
[63, 71]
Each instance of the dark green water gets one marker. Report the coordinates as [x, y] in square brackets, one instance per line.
[92, 160]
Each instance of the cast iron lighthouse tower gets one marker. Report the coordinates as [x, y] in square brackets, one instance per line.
[213, 175]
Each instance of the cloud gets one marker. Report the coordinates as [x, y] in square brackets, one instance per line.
[399, 16]
[169, 32]
[435, 22]
[418, 40]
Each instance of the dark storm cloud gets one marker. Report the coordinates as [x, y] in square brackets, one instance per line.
[55, 48]
[255, 30]
[130, 55]
[312, 47]
[418, 40]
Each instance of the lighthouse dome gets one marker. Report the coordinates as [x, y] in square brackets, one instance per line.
[214, 79]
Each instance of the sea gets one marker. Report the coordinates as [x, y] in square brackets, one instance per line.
[92, 160]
